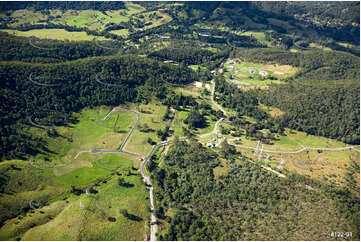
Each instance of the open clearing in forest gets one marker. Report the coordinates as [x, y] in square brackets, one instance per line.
[90, 19]
[247, 74]
[260, 36]
[56, 34]
[323, 165]
[90, 132]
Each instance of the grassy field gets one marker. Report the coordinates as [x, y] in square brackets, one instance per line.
[151, 114]
[57, 34]
[247, 74]
[90, 19]
[315, 45]
[150, 21]
[101, 166]
[120, 32]
[260, 36]
[89, 133]
[88, 217]
[178, 123]
[323, 165]
[273, 111]
[222, 169]
[96, 20]
[71, 217]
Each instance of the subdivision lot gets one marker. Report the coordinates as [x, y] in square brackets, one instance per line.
[91, 132]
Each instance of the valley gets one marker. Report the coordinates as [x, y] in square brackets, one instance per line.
[178, 121]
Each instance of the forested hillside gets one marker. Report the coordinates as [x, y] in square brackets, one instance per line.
[21, 49]
[333, 19]
[28, 89]
[330, 110]
[247, 203]
[185, 55]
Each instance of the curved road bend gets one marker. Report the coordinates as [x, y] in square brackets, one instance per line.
[216, 126]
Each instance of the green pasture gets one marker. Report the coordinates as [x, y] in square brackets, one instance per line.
[97, 216]
[57, 34]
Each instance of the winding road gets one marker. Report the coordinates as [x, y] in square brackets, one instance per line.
[146, 179]
[296, 151]
[216, 126]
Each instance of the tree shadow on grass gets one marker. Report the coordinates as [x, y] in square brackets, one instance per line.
[133, 217]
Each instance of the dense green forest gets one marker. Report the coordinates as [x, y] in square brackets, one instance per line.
[185, 55]
[247, 203]
[330, 110]
[47, 51]
[28, 89]
[246, 103]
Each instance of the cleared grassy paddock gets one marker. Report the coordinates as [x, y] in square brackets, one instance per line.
[81, 214]
[90, 132]
[260, 36]
[57, 34]
[88, 217]
[248, 75]
[151, 114]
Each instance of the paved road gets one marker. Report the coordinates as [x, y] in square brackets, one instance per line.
[153, 224]
[297, 151]
[216, 126]
[116, 109]
[212, 99]
[121, 149]
[153, 228]
[131, 132]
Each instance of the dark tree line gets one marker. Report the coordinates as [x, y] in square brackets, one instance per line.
[244, 41]
[182, 54]
[21, 49]
[244, 102]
